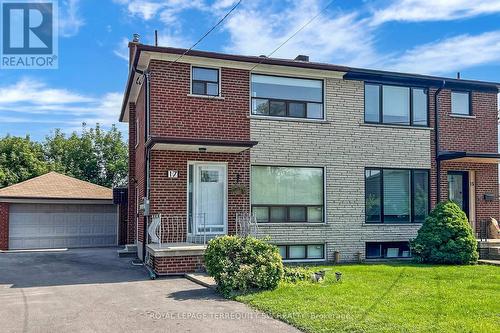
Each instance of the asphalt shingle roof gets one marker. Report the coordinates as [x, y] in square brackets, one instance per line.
[54, 185]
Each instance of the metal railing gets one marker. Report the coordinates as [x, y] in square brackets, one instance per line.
[163, 229]
[246, 224]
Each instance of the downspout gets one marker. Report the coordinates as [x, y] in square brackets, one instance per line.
[146, 189]
[436, 141]
[146, 160]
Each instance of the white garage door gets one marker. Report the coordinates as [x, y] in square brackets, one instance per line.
[38, 226]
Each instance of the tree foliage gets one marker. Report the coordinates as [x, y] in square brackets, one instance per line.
[94, 155]
[445, 237]
[20, 159]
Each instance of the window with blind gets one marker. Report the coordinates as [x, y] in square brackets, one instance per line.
[287, 194]
[396, 195]
[279, 96]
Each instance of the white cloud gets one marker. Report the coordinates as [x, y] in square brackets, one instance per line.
[36, 92]
[122, 50]
[343, 38]
[434, 10]
[70, 21]
[59, 106]
[448, 55]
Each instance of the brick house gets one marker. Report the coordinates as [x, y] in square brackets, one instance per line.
[320, 158]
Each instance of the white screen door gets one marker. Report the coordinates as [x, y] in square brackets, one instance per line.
[210, 196]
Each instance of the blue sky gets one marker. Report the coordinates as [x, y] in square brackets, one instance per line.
[437, 37]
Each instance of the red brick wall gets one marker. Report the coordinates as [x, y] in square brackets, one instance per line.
[4, 226]
[169, 196]
[175, 114]
[177, 265]
[140, 158]
[478, 134]
[131, 175]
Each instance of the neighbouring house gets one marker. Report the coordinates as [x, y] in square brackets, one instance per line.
[57, 211]
[328, 161]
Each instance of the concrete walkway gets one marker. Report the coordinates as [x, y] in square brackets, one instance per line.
[92, 290]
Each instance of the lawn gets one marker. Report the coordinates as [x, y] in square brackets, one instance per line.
[389, 298]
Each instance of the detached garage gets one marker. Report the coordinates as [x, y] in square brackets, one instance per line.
[57, 211]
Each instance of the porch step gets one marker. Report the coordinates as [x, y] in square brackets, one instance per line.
[202, 279]
[129, 251]
[494, 253]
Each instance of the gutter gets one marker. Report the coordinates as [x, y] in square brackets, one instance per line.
[436, 141]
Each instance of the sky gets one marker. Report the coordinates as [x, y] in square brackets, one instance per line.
[439, 37]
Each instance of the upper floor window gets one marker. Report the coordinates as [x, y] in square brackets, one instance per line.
[279, 96]
[460, 103]
[396, 195]
[287, 194]
[205, 81]
[395, 105]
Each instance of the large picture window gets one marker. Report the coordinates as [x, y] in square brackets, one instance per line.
[396, 195]
[279, 96]
[287, 194]
[395, 105]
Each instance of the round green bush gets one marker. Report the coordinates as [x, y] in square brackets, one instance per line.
[243, 263]
[445, 237]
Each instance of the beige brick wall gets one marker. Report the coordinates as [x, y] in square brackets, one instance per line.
[344, 145]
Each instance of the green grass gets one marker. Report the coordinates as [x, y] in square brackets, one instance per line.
[389, 298]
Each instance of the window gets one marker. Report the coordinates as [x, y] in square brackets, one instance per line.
[287, 194]
[388, 250]
[395, 105]
[396, 195]
[278, 96]
[205, 81]
[460, 103]
[302, 252]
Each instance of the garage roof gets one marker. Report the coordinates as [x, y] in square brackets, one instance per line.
[54, 185]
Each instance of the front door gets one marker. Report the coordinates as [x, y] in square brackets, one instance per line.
[458, 189]
[209, 207]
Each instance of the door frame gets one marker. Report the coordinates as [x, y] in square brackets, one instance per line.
[465, 189]
[226, 193]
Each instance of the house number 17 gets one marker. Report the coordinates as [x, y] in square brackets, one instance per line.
[173, 174]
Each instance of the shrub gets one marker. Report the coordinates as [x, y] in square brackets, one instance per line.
[243, 263]
[294, 274]
[445, 237]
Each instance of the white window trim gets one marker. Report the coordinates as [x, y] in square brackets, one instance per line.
[226, 197]
[317, 120]
[219, 70]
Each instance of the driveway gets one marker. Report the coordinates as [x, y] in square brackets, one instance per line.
[92, 290]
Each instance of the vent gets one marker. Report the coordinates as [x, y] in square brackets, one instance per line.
[302, 57]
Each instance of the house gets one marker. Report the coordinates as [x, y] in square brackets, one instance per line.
[331, 161]
[57, 211]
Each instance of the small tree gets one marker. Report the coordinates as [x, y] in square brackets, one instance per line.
[445, 237]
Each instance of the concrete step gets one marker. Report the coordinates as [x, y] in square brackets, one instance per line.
[129, 251]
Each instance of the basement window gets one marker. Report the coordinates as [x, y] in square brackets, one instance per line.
[387, 250]
[302, 252]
